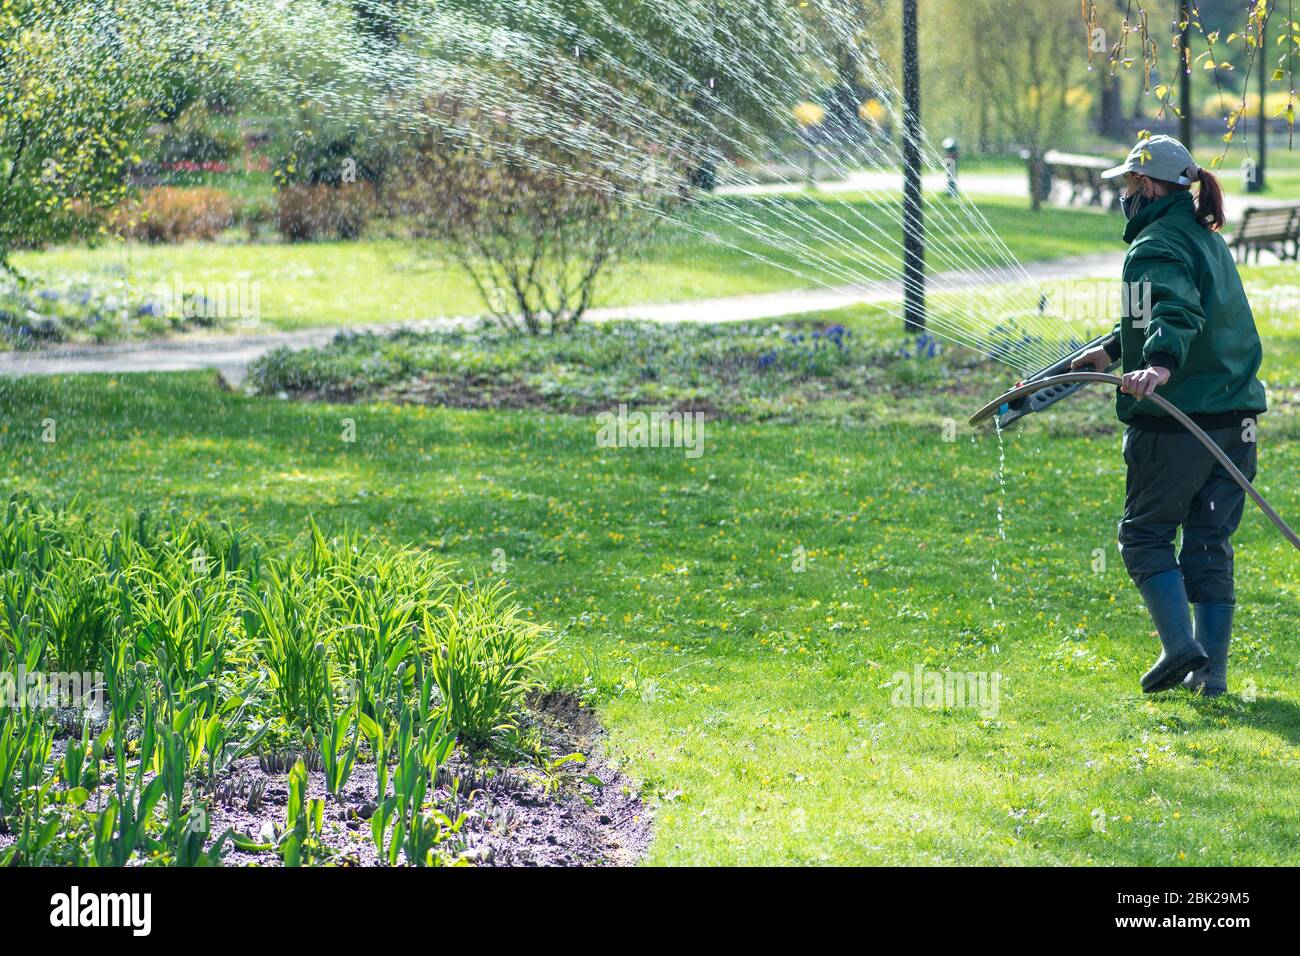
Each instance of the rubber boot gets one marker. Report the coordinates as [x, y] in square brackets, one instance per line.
[1180, 654]
[1214, 633]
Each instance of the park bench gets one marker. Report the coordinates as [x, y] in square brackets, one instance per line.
[1275, 228]
[1079, 174]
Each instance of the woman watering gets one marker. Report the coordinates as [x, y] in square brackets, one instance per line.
[1188, 333]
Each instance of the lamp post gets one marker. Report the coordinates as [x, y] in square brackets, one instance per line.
[950, 153]
[1257, 185]
[913, 224]
[1185, 78]
[1256, 182]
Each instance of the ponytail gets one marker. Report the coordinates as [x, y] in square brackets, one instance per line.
[1209, 201]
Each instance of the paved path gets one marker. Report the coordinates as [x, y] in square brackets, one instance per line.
[776, 304]
[988, 184]
[972, 184]
[228, 354]
[231, 354]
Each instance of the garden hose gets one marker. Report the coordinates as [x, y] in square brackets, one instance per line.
[1069, 378]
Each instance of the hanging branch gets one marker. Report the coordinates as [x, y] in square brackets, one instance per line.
[1214, 58]
[1291, 37]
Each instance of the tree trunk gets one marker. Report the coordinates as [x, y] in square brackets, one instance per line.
[1110, 112]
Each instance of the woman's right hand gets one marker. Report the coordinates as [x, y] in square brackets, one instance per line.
[1097, 359]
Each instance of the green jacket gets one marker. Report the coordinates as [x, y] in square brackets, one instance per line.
[1188, 312]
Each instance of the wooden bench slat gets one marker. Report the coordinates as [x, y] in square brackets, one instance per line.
[1079, 174]
[1275, 228]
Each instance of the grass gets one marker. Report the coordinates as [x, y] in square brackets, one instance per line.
[1282, 165]
[388, 280]
[744, 621]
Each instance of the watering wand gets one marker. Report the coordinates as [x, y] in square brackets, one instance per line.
[1057, 381]
[1014, 409]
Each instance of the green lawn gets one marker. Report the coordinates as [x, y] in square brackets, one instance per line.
[1281, 166]
[710, 254]
[755, 701]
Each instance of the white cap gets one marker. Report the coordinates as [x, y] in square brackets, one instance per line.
[1160, 157]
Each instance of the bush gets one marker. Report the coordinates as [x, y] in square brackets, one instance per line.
[196, 135]
[76, 105]
[176, 214]
[532, 221]
[254, 213]
[315, 211]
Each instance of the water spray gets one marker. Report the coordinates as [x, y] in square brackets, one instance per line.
[1055, 382]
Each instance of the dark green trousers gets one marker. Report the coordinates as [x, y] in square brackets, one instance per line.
[1173, 481]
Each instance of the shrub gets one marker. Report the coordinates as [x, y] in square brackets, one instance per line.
[254, 213]
[339, 374]
[197, 138]
[315, 211]
[75, 107]
[176, 214]
[748, 370]
[533, 221]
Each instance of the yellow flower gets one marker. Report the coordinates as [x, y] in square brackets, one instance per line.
[809, 114]
[872, 111]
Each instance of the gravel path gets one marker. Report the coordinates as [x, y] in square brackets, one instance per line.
[231, 354]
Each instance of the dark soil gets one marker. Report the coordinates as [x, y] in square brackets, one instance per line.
[513, 817]
[516, 813]
[483, 392]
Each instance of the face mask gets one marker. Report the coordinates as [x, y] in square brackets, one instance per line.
[1134, 204]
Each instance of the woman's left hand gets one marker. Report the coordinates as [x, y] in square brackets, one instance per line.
[1144, 381]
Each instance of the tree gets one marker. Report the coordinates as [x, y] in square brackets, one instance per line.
[703, 73]
[1024, 67]
[381, 19]
[80, 85]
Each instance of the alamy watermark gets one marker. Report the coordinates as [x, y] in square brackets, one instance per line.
[626, 429]
[238, 301]
[947, 690]
[75, 909]
[40, 690]
[1086, 302]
